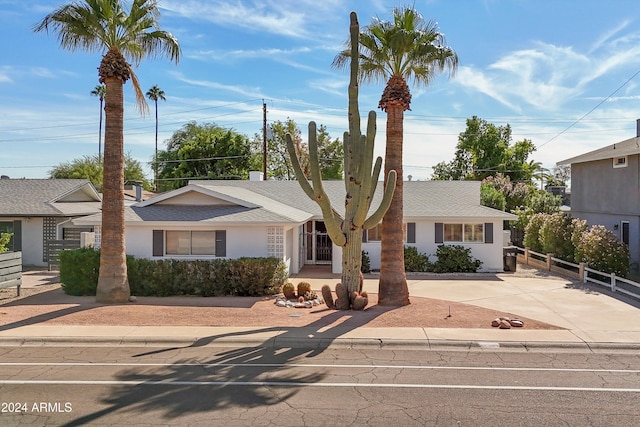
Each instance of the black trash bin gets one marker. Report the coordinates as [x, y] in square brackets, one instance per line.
[510, 256]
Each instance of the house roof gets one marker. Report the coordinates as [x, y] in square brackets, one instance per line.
[422, 199]
[619, 149]
[48, 197]
[283, 202]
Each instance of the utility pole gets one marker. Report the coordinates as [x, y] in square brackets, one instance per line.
[264, 141]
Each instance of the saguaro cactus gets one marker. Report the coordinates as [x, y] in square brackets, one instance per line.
[361, 179]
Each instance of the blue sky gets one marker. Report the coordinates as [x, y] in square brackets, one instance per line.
[562, 73]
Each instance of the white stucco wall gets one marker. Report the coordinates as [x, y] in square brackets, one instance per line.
[250, 241]
[489, 253]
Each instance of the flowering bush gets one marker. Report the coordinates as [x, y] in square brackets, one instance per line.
[532, 232]
[602, 251]
[555, 236]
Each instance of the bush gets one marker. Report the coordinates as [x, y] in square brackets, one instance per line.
[366, 262]
[555, 236]
[602, 251]
[219, 277]
[79, 271]
[455, 259]
[532, 232]
[414, 260]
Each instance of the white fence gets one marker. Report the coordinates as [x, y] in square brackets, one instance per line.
[580, 271]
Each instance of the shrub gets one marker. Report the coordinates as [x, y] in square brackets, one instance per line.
[219, 277]
[79, 271]
[555, 236]
[5, 238]
[366, 262]
[602, 251]
[414, 260]
[532, 232]
[455, 259]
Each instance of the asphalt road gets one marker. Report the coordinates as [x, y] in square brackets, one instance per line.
[209, 386]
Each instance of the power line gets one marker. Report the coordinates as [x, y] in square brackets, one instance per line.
[591, 111]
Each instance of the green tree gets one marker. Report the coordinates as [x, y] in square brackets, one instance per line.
[123, 37]
[154, 94]
[90, 167]
[408, 48]
[485, 149]
[203, 151]
[100, 91]
[330, 152]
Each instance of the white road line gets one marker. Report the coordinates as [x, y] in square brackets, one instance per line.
[302, 365]
[316, 384]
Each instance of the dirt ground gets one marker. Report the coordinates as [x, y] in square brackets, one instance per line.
[46, 303]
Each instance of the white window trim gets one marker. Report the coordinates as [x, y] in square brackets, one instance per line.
[620, 165]
[444, 235]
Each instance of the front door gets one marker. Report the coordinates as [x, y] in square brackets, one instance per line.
[316, 244]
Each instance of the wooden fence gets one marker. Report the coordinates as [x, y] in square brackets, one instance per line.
[11, 270]
[580, 271]
[53, 249]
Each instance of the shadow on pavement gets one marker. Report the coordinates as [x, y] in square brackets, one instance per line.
[189, 387]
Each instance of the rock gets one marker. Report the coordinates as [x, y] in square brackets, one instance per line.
[504, 324]
[281, 303]
[517, 323]
[133, 298]
[495, 322]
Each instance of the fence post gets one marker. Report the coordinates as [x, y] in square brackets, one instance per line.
[549, 262]
[526, 256]
[581, 275]
[613, 282]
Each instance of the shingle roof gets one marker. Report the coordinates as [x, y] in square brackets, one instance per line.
[286, 202]
[619, 149]
[422, 199]
[47, 197]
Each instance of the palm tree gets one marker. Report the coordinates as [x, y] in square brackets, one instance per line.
[154, 94]
[100, 91]
[122, 37]
[406, 48]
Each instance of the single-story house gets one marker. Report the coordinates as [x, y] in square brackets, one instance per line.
[39, 210]
[232, 219]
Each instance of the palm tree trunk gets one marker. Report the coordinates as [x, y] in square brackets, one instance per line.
[100, 134]
[155, 158]
[392, 288]
[113, 285]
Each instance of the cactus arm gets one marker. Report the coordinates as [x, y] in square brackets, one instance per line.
[332, 219]
[376, 217]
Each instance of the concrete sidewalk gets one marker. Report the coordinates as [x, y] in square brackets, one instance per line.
[594, 320]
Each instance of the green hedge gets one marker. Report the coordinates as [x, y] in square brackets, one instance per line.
[219, 277]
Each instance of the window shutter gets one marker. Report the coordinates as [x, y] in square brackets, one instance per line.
[411, 232]
[221, 243]
[17, 236]
[439, 232]
[365, 236]
[158, 243]
[488, 232]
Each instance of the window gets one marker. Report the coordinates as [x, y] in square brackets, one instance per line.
[470, 233]
[191, 242]
[375, 234]
[620, 162]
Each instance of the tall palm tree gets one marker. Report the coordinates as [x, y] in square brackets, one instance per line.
[121, 36]
[100, 91]
[408, 48]
[154, 94]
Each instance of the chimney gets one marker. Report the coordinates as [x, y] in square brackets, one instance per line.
[255, 176]
[138, 192]
[638, 128]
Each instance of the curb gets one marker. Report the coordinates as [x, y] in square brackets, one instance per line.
[337, 343]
